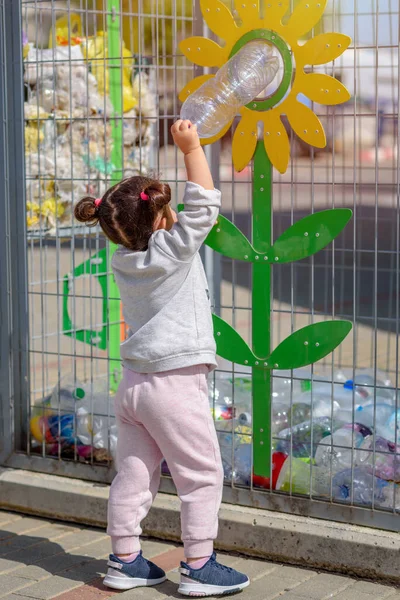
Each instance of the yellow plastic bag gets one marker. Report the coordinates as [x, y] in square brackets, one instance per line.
[68, 30]
[33, 137]
[95, 50]
[34, 134]
[44, 214]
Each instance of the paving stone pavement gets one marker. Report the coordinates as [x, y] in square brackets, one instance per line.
[43, 559]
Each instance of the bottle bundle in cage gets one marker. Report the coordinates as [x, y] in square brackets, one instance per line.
[69, 115]
[75, 421]
[330, 440]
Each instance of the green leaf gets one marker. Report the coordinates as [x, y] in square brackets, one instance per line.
[308, 345]
[309, 235]
[230, 345]
[228, 240]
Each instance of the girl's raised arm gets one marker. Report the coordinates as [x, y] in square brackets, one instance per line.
[201, 200]
[186, 138]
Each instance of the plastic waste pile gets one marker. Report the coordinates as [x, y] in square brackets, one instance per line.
[337, 439]
[68, 137]
[77, 420]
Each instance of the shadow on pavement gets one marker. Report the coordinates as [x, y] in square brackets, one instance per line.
[51, 558]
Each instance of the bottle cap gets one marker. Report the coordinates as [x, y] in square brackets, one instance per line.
[79, 393]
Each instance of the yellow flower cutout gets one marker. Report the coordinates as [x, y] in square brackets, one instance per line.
[318, 87]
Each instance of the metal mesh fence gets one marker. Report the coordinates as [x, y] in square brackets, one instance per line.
[336, 423]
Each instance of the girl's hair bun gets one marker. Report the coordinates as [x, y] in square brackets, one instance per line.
[86, 211]
[158, 192]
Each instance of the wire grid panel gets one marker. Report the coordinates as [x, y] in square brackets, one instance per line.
[356, 278]
[71, 151]
[335, 425]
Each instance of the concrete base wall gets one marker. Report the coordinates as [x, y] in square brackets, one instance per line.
[337, 547]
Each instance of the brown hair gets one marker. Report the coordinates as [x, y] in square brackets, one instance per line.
[123, 215]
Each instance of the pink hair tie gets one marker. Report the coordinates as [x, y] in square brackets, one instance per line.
[144, 196]
[97, 202]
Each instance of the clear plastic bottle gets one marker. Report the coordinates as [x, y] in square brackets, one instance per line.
[236, 457]
[336, 452]
[299, 477]
[366, 379]
[67, 395]
[381, 458]
[230, 397]
[302, 440]
[236, 83]
[284, 417]
[320, 404]
[243, 464]
[96, 417]
[391, 430]
[364, 488]
[371, 415]
[286, 389]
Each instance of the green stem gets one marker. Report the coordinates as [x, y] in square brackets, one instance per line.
[261, 314]
[115, 86]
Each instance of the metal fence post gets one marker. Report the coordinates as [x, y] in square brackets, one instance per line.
[5, 309]
[13, 268]
[211, 259]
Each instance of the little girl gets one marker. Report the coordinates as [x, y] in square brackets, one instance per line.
[162, 404]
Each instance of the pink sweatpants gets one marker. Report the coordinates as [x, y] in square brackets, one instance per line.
[166, 415]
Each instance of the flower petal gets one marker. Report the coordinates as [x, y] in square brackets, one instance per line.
[304, 17]
[249, 12]
[204, 52]
[245, 140]
[192, 86]
[274, 10]
[324, 89]
[215, 138]
[305, 123]
[323, 48]
[276, 141]
[219, 18]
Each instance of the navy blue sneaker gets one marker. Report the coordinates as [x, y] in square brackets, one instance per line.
[139, 573]
[213, 579]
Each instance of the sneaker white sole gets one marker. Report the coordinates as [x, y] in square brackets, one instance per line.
[119, 581]
[199, 590]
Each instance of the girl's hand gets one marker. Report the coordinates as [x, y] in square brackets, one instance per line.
[185, 136]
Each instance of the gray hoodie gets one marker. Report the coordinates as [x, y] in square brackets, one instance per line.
[164, 292]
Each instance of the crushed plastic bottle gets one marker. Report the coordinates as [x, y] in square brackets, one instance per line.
[336, 452]
[67, 395]
[236, 83]
[284, 416]
[300, 477]
[373, 416]
[236, 457]
[381, 458]
[302, 440]
[88, 408]
[285, 389]
[391, 430]
[361, 487]
[384, 387]
[242, 463]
